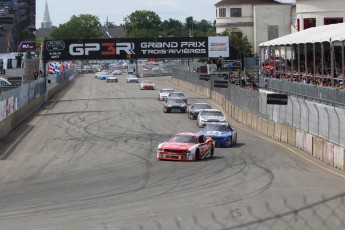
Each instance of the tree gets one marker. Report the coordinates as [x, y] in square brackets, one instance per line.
[172, 28]
[84, 26]
[142, 23]
[204, 28]
[239, 41]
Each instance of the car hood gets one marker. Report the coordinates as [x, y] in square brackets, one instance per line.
[215, 133]
[175, 104]
[177, 145]
[213, 117]
[196, 110]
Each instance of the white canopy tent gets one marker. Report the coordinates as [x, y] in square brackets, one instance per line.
[329, 35]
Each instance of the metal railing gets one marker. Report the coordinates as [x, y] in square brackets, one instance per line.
[327, 95]
[313, 117]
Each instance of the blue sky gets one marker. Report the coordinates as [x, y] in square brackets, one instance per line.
[116, 10]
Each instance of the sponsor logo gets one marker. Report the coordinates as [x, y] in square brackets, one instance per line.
[55, 45]
[105, 48]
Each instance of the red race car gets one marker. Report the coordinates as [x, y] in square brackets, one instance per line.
[147, 84]
[186, 147]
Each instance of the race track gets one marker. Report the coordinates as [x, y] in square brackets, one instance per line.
[87, 160]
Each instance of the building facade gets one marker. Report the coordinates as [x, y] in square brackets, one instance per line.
[312, 13]
[259, 20]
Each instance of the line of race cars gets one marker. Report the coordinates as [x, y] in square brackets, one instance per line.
[187, 146]
[214, 132]
[110, 77]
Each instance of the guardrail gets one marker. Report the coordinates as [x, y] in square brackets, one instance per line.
[331, 96]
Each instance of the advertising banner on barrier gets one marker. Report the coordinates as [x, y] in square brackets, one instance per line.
[220, 84]
[136, 48]
[277, 99]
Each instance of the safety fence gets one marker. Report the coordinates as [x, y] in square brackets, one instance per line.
[326, 95]
[309, 116]
[15, 99]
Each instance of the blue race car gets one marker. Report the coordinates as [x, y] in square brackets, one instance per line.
[221, 132]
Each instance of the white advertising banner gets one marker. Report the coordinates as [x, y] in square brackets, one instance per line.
[218, 46]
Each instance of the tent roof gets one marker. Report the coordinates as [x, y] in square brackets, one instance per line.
[328, 33]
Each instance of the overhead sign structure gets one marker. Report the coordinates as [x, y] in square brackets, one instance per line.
[277, 99]
[136, 48]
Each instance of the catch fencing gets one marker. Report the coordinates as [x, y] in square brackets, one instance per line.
[326, 95]
[315, 118]
[15, 99]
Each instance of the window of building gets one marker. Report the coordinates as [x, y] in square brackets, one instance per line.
[298, 25]
[236, 12]
[222, 12]
[309, 22]
[328, 21]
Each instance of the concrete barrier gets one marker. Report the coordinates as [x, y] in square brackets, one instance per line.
[318, 148]
[339, 157]
[236, 116]
[299, 139]
[270, 129]
[249, 119]
[240, 116]
[264, 128]
[284, 134]
[259, 124]
[292, 136]
[308, 143]
[254, 122]
[17, 117]
[277, 131]
[328, 153]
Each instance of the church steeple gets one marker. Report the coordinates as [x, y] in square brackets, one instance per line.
[46, 23]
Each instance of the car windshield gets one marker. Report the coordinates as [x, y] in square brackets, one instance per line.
[166, 90]
[215, 127]
[211, 113]
[176, 95]
[147, 82]
[183, 139]
[175, 100]
[201, 106]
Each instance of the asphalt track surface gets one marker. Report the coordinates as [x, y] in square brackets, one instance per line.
[87, 160]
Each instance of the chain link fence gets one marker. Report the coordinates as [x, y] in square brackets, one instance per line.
[16, 98]
[307, 115]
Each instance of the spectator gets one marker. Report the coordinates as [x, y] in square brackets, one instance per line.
[220, 62]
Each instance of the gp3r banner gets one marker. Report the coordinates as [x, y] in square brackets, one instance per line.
[136, 48]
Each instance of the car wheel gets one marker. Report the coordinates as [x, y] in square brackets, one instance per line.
[197, 155]
[212, 151]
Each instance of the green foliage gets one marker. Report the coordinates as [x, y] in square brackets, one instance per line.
[148, 24]
[84, 26]
[239, 41]
[172, 28]
[142, 23]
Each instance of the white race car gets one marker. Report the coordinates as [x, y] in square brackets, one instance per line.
[210, 115]
[163, 94]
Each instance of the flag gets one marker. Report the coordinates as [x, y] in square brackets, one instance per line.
[51, 67]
